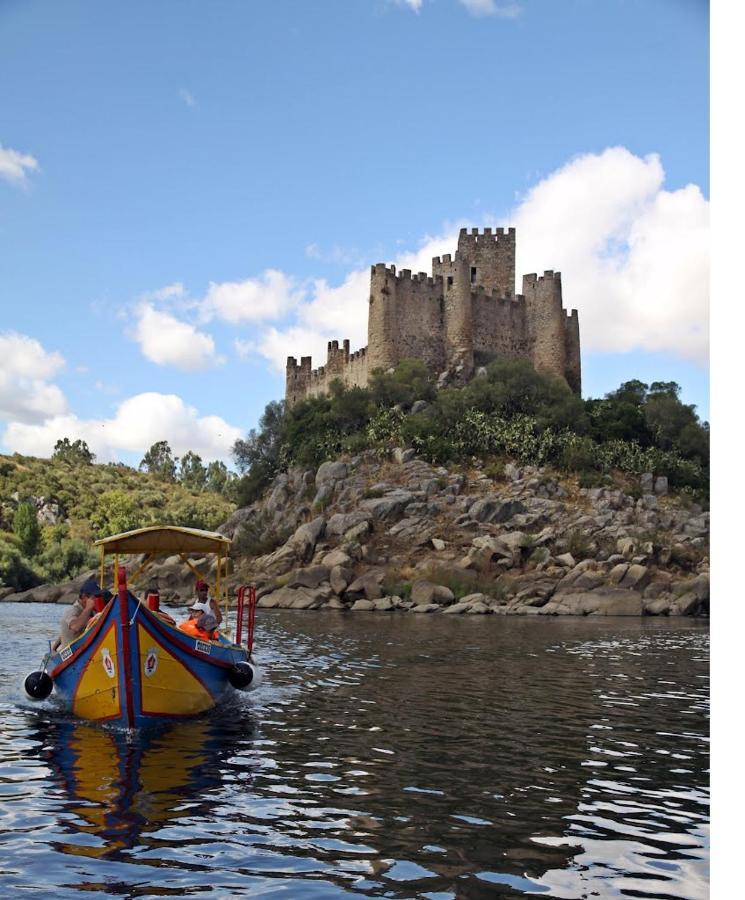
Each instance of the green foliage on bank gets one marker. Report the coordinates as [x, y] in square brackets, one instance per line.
[511, 411]
[95, 501]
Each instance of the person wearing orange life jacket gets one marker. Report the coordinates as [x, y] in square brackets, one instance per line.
[201, 623]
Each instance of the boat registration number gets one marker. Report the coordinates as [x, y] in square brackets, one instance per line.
[66, 653]
[202, 646]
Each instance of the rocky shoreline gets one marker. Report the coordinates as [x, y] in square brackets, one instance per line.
[401, 534]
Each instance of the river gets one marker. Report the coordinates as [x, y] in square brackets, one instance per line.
[384, 755]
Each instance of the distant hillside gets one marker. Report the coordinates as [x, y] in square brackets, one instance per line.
[51, 510]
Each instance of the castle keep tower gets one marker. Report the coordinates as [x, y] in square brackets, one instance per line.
[457, 319]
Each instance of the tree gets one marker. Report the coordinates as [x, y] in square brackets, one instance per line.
[257, 457]
[218, 477]
[26, 528]
[117, 511]
[75, 453]
[159, 461]
[192, 473]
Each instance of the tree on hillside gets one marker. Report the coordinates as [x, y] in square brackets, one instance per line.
[117, 511]
[192, 473]
[27, 529]
[218, 477]
[75, 453]
[257, 457]
[159, 461]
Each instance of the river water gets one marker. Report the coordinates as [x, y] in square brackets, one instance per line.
[384, 755]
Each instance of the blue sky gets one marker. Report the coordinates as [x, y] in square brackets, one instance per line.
[191, 191]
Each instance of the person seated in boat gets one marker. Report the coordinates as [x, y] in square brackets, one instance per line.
[77, 617]
[201, 623]
[203, 596]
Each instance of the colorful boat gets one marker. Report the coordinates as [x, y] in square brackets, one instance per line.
[132, 665]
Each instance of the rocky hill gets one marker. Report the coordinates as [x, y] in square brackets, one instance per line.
[402, 534]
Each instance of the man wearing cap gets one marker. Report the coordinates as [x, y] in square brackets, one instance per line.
[79, 614]
[203, 596]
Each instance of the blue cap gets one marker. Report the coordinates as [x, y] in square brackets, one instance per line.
[90, 586]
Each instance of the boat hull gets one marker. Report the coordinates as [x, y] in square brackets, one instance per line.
[131, 667]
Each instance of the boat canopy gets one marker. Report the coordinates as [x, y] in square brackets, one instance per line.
[165, 539]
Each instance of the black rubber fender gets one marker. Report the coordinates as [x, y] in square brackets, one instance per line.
[38, 685]
[241, 675]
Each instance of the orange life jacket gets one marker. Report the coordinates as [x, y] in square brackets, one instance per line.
[191, 628]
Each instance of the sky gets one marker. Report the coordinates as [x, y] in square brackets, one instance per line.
[191, 191]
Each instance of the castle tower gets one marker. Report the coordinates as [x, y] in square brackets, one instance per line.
[297, 379]
[458, 316]
[381, 319]
[491, 259]
[547, 331]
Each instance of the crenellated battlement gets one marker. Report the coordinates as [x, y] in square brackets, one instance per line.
[466, 308]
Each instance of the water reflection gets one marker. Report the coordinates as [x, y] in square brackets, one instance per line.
[412, 759]
[121, 788]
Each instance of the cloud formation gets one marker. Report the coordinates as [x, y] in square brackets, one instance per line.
[634, 259]
[15, 166]
[167, 341]
[25, 392]
[481, 8]
[137, 424]
[264, 298]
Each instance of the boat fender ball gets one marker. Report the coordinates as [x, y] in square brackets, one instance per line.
[241, 675]
[38, 685]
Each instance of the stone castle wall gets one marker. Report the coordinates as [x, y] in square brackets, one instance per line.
[455, 319]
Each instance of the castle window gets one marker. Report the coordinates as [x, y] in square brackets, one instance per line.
[450, 280]
[473, 274]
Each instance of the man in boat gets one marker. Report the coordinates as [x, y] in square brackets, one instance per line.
[203, 596]
[76, 618]
[201, 623]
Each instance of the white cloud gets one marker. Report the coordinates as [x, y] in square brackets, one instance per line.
[187, 97]
[633, 257]
[167, 341]
[414, 5]
[25, 392]
[14, 166]
[138, 423]
[267, 297]
[492, 8]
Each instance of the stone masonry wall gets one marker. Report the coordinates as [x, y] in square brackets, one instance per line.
[465, 311]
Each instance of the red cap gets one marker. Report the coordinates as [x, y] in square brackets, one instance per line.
[202, 586]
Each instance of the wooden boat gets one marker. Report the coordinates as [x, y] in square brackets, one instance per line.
[132, 664]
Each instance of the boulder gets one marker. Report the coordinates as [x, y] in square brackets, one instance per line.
[365, 605]
[358, 532]
[425, 608]
[389, 507]
[424, 592]
[646, 483]
[566, 559]
[617, 573]
[310, 577]
[418, 406]
[337, 557]
[384, 604]
[456, 609]
[437, 544]
[658, 606]
[331, 471]
[494, 508]
[339, 578]
[478, 609]
[368, 586]
[303, 541]
[660, 485]
[340, 523]
[636, 578]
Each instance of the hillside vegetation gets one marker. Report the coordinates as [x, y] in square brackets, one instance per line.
[508, 412]
[51, 510]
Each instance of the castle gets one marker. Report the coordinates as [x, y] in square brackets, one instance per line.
[457, 319]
